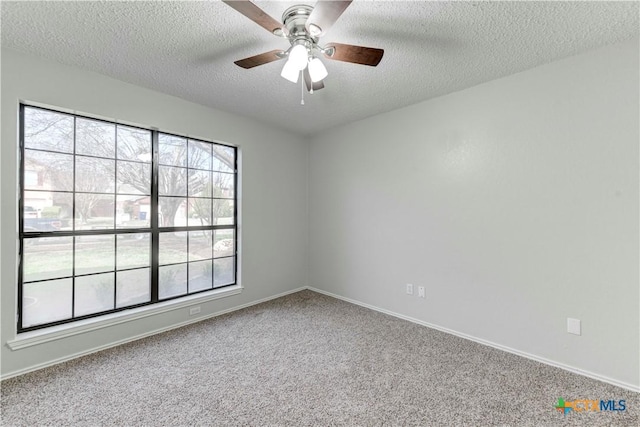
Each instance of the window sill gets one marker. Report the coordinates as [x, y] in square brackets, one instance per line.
[29, 339]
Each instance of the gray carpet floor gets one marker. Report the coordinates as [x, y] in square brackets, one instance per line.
[304, 360]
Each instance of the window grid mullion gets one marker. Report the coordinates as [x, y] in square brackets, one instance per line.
[187, 193]
[115, 216]
[155, 235]
[74, 238]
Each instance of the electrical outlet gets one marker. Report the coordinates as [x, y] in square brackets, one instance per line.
[409, 289]
[194, 310]
[421, 291]
[573, 326]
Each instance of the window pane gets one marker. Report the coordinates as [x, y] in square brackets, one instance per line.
[199, 155]
[173, 248]
[223, 185]
[94, 211]
[223, 272]
[95, 138]
[200, 275]
[44, 302]
[30, 211]
[31, 178]
[133, 211]
[94, 293]
[223, 243]
[54, 171]
[47, 130]
[47, 258]
[199, 211]
[172, 181]
[200, 245]
[199, 183]
[134, 250]
[47, 211]
[134, 287]
[172, 150]
[224, 158]
[134, 144]
[172, 281]
[95, 175]
[223, 212]
[172, 211]
[133, 178]
[95, 254]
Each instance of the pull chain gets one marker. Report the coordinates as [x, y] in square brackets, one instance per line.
[301, 88]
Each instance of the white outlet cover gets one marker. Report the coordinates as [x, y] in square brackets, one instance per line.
[573, 326]
[409, 289]
[421, 291]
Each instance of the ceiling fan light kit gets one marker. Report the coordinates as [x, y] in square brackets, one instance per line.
[290, 72]
[298, 56]
[317, 70]
[303, 25]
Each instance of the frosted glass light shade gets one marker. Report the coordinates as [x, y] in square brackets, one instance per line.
[317, 70]
[290, 72]
[298, 57]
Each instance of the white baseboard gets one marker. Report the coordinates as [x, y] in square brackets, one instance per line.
[540, 359]
[144, 335]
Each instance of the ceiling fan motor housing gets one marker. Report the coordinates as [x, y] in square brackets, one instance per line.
[294, 20]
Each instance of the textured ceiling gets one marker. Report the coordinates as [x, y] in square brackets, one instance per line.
[187, 49]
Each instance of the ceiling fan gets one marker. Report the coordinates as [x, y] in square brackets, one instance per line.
[303, 26]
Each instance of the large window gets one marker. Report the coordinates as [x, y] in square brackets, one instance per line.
[115, 217]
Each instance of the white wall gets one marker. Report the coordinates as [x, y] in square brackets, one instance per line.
[274, 191]
[514, 202]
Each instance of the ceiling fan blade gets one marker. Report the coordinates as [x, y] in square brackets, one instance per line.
[309, 84]
[257, 15]
[263, 58]
[324, 15]
[355, 54]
